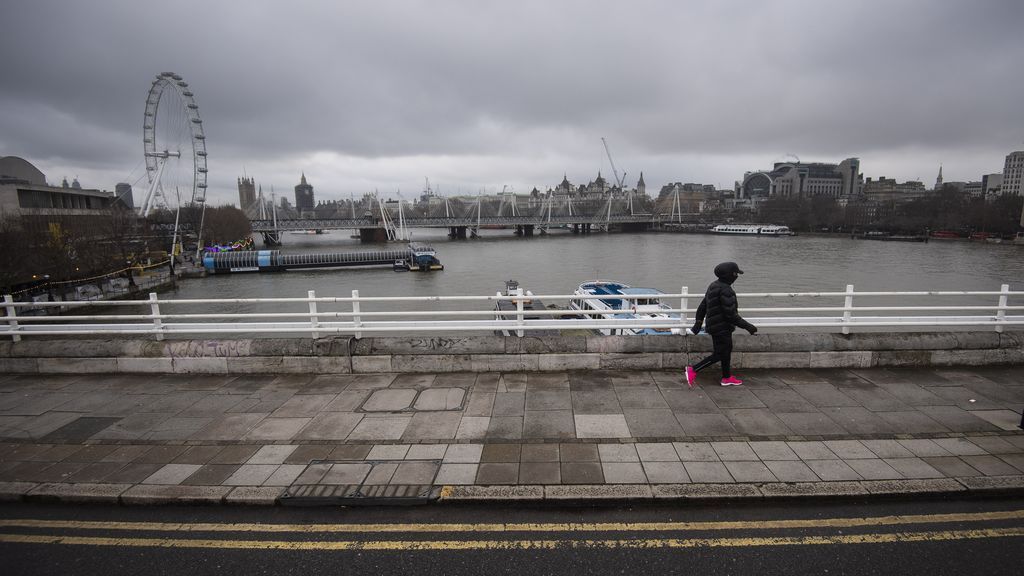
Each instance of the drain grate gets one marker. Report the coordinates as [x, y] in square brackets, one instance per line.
[362, 494]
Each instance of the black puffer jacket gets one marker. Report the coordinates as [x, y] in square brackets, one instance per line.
[719, 306]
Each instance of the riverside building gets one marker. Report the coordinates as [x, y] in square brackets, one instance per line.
[24, 193]
[1013, 174]
[805, 180]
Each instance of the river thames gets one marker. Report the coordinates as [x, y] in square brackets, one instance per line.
[558, 263]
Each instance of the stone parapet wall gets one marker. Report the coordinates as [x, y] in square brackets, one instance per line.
[345, 355]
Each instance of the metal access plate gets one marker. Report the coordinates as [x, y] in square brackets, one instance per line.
[361, 494]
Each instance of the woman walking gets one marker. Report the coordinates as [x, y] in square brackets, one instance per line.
[721, 310]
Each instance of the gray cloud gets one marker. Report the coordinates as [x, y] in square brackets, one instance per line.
[364, 95]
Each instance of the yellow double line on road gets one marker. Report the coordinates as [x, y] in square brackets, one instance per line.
[519, 527]
[516, 544]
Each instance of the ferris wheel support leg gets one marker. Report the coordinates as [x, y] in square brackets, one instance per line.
[147, 204]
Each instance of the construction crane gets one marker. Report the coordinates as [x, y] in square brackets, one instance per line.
[615, 171]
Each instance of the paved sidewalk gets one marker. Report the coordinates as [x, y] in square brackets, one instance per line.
[643, 434]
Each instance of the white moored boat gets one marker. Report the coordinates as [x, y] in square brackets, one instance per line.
[753, 229]
[644, 304]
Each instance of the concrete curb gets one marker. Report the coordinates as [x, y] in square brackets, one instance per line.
[142, 494]
[153, 495]
[92, 493]
[739, 491]
[254, 496]
[15, 491]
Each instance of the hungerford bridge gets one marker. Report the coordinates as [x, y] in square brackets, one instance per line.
[376, 220]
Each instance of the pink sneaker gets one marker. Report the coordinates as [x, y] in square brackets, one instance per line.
[691, 376]
[731, 381]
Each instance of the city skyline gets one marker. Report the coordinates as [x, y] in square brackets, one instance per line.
[483, 96]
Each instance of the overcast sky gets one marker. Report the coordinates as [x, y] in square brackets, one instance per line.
[477, 95]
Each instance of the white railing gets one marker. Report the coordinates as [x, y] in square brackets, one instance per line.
[313, 317]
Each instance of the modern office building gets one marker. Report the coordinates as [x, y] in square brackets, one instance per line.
[1013, 174]
[888, 189]
[992, 184]
[123, 195]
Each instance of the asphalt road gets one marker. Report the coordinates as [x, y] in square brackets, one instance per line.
[871, 537]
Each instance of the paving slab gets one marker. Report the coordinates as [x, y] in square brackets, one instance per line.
[581, 473]
[956, 419]
[812, 450]
[708, 472]
[665, 472]
[995, 445]
[557, 424]
[505, 427]
[601, 426]
[706, 425]
[380, 428]
[757, 422]
[656, 452]
[623, 472]
[990, 465]
[776, 450]
[172, 474]
[498, 473]
[874, 469]
[734, 451]
[211, 474]
[544, 453]
[456, 474]
[750, 471]
[887, 448]
[959, 446]
[695, 451]
[432, 426]
[951, 466]
[791, 471]
[473, 427]
[540, 473]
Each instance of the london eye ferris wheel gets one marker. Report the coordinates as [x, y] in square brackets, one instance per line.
[174, 146]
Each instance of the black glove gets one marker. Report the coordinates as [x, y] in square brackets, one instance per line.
[695, 329]
[752, 329]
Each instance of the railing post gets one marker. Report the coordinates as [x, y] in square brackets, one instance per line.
[154, 309]
[313, 320]
[11, 313]
[519, 310]
[356, 321]
[1001, 312]
[682, 309]
[848, 313]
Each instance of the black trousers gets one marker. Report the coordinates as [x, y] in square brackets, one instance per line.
[722, 353]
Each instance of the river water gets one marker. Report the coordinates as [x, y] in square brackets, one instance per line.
[558, 263]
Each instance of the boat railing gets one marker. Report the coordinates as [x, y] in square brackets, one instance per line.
[319, 316]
